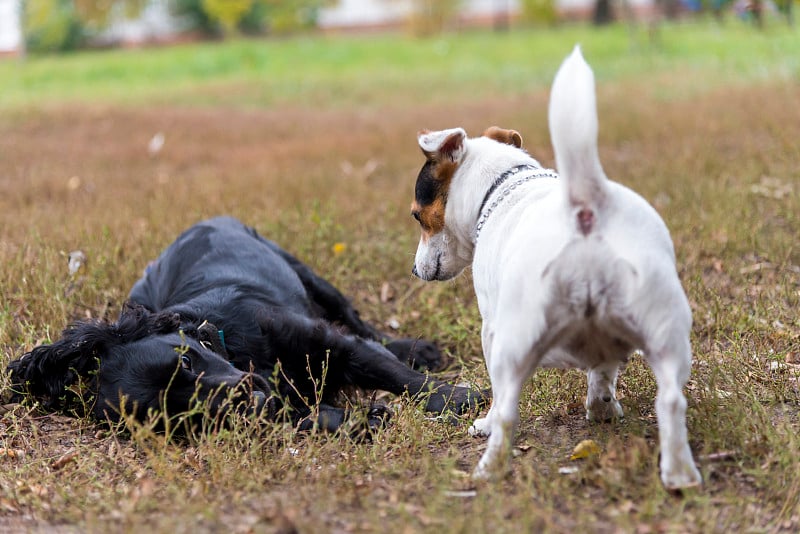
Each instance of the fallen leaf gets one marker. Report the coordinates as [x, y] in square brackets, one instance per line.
[570, 408]
[8, 506]
[34, 489]
[64, 459]
[76, 259]
[387, 292]
[776, 366]
[192, 459]
[756, 267]
[11, 454]
[772, 188]
[720, 456]
[463, 494]
[584, 449]
[156, 144]
[11, 407]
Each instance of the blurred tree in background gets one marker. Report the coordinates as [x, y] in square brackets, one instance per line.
[539, 11]
[62, 25]
[228, 13]
[430, 17]
[51, 26]
[289, 15]
[97, 14]
[603, 12]
[225, 17]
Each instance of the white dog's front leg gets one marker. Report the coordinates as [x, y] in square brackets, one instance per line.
[507, 371]
[481, 427]
[601, 397]
[494, 462]
[671, 369]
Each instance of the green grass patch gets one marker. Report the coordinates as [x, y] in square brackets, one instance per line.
[384, 69]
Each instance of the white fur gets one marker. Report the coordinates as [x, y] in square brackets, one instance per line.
[554, 292]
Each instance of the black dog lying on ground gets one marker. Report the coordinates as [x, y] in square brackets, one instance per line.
[228, 317]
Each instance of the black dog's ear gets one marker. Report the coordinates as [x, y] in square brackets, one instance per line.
[47, 371]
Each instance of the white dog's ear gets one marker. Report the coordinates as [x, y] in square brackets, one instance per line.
[502, 135]
[443, 145]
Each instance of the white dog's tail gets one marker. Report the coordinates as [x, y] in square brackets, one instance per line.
[573, 131]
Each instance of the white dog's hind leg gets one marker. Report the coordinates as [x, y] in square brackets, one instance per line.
[601, 397]
[671, 367]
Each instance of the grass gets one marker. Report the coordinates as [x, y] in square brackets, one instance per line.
[389, 68]
[311, 140]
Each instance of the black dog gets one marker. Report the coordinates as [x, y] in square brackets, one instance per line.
[226, 316]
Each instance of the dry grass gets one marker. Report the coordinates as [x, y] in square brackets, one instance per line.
[721, 166]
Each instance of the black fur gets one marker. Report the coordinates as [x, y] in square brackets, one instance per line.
[283, 329]
[427, 187]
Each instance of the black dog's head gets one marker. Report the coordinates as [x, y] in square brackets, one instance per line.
[142, 362]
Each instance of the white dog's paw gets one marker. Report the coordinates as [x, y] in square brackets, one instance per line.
[680, 476]
[491, 468]
[481, 473]
[679, 471]
[480, 428]
[599, 409]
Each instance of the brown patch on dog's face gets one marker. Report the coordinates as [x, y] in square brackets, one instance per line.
[501, 135]
[430, 195]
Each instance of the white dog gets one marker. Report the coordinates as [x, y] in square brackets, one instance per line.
[571, 272]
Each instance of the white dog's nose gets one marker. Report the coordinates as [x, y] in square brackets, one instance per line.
[414, 270]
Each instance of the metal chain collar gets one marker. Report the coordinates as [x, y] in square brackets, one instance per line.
[536, 172]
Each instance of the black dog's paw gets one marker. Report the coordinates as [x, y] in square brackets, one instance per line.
[378, 417]
[359, 425]
[418, 353]
[457, 401]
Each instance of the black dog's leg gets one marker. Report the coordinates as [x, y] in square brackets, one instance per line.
[335, 308]
[352, 360]
[418, 353]
[331, 419]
